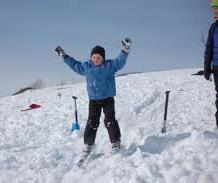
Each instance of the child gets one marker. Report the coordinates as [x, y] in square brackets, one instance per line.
[101, 88]
[211, 53]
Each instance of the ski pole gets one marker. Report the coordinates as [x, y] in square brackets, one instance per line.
[75, 124]
[164, 128]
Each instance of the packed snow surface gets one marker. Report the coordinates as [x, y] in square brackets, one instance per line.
[37, 145]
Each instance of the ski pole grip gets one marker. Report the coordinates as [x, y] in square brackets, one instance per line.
[167, 92]
[74, 97]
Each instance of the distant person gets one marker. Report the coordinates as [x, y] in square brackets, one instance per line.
[100, 79]
[211, 53]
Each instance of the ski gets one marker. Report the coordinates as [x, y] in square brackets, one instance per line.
[82, 160]
[89, 155]
[86, 153]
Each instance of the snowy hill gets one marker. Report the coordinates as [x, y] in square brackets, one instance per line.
[37, 145]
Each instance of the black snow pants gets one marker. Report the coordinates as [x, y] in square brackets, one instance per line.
[111, 124]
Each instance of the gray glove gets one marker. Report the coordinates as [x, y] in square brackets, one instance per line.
[126, 43]
[60, 51]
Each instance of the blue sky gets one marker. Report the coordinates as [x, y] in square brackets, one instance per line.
[166, 35]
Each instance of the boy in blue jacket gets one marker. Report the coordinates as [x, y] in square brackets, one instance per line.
[100, 79]
[211, 53]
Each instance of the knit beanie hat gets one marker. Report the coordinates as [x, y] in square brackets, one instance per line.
[99, 50]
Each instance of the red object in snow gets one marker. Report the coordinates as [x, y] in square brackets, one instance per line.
[32, 106]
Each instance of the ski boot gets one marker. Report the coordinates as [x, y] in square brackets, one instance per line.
[116, 147]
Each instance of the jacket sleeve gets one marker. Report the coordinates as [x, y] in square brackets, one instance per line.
[208, 55]
[75, 65]
[120, 61]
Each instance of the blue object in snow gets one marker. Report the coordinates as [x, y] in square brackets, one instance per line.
[75, 125]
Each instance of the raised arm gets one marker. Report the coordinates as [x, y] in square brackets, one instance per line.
[75, 65]
[120, 61]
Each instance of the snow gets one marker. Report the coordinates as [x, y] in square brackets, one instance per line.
[37, 146]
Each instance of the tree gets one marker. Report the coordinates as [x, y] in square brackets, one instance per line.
[38, 84]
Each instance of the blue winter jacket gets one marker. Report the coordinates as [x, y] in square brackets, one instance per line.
[100, 79]
[211, 51]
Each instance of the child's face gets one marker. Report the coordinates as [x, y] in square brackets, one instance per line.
[97, 59]
[215, 12]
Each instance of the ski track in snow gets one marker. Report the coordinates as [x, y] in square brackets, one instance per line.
[37, 146]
